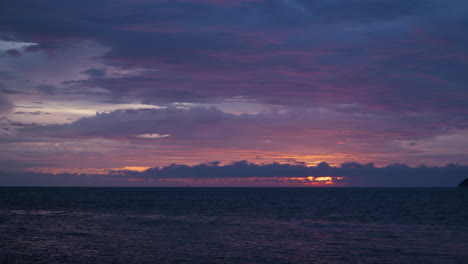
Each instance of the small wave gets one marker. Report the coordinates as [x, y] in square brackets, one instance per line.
[32, 212]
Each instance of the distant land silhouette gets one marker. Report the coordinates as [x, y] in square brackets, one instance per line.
[464, 183]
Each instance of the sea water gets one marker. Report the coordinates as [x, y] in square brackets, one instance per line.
[233, 225]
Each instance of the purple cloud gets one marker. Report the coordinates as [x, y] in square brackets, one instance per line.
[299, 133]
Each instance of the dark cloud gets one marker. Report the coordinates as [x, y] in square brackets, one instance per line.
[5, 105]
[13, 53]
[393, 56]
[46, 89]
[18, 166]
[362, 175]
[21, 124]
[353, 173]
[30, 178]
[210, 123]
[31, 113]
[95, 73]
[182, 124]
[9, 91]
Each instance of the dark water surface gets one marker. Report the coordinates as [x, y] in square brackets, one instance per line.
[234, 225]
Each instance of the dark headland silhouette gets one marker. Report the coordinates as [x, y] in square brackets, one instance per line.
[464, 183]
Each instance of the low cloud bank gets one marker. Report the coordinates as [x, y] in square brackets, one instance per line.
[352, 173]
[349, 174]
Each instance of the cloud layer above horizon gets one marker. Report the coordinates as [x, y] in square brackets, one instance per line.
[243, 173]
[102, 85]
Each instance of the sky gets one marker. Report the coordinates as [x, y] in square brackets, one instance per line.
[231, 93]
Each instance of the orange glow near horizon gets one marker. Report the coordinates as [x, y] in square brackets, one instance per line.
[279, 181]
[323, 178]
[141, 162]
[133, 168]
[240, 182]
[87, 170]
[144, 157]
[312, 180]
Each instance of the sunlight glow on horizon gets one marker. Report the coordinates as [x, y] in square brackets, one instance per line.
[237, 181]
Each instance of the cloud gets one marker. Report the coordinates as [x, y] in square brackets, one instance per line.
[392, 56]
[200, 133]
[95, 73]
[13, 53]
[8, 91]
[250, 174]
[31, 113]
[348, 174]
[5, 105]
[18, 166]
[46, 89]
[210, 122]
[29, 178]
[154, 136]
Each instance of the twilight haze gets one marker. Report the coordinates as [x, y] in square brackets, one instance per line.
[236, 92]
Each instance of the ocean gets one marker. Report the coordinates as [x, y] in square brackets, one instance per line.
[233, 225]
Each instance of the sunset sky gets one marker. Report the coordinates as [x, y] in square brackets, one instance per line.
[109, 88]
